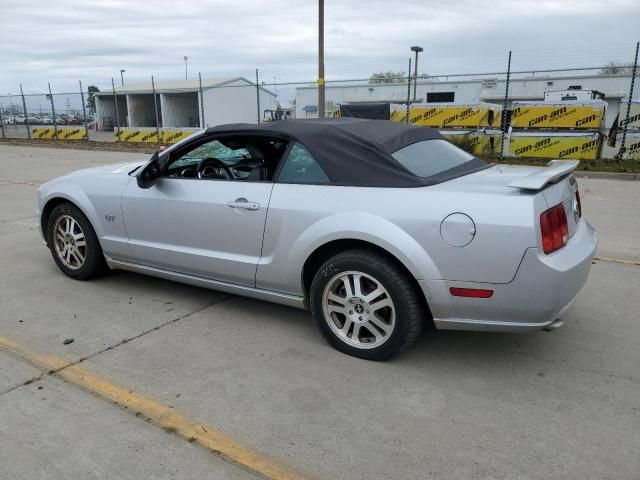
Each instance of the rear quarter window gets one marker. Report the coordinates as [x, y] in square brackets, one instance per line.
[436, 157]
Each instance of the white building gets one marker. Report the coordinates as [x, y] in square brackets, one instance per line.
[224, 100]
[467, 90]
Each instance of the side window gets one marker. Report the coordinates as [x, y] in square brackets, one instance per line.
[301, 167]
[210, 149]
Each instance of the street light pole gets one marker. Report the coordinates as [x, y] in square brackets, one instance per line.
[185, 67]
[122, 77]
[416, 49]
[321, 101]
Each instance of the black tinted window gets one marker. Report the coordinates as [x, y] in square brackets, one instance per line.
[431, 157]
[301, 167]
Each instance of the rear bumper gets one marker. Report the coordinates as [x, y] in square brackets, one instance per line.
[543, 288]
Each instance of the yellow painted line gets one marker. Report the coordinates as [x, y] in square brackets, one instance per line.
[163, 416]
[617, 260]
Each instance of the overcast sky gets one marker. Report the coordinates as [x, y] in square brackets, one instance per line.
[62, 41]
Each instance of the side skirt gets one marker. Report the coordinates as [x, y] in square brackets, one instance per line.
[241, 290]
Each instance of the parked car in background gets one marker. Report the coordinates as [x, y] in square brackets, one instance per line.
[377, 227]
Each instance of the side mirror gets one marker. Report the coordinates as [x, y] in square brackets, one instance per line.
[148, 175]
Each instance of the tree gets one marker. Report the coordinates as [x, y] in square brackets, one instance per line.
[613, 68]
[393, 77]
[388, 77]
[91, 98]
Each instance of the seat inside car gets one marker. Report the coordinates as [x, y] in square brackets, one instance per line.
[259, 173]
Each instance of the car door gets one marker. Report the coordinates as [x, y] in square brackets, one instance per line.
[206, 227]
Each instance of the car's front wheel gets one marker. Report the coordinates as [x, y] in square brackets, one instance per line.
[365, 305]
[73, 243]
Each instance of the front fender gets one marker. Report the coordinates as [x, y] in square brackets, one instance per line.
[71, 192]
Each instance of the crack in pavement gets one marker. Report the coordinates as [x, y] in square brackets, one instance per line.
[108, 348]
[5, 182]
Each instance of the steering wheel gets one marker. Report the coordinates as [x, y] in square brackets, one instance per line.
[213, 163]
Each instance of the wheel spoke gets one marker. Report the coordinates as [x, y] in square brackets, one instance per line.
[81, 243]
[347, 286]
[357, 285]
[379, 323]
[385, 302]
[347, 325]
[356, 332]
[74, 255]
[373, 295]
[373, 330]
[335, 298]
[337, 308]
[78, 254]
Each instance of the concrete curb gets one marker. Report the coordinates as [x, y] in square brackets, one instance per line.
[100, 148]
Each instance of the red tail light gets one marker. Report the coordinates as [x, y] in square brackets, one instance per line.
[554, 229]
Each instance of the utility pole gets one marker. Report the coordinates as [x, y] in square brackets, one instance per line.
[185, 67]
[122, 77]
[321, 101]
[415, 72]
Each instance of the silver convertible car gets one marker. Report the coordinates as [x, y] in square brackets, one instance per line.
[377, 228]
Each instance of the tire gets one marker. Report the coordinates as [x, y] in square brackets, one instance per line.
[387, 307]
[73, 243]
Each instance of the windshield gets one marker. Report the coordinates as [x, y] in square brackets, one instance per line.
[430, 158]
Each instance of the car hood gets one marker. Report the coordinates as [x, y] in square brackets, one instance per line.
[113, 169]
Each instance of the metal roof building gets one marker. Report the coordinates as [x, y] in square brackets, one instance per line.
[224, 100]
[469, 89]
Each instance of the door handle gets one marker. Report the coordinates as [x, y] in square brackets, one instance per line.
[244, 204]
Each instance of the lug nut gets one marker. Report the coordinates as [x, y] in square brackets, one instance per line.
[360, 318]
[350, 312]
[351, 301]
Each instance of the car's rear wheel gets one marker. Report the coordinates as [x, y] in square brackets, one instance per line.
[365, 305]
[73, 243]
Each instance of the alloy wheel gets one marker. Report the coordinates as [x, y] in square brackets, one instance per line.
[69, 242]
[359, 309]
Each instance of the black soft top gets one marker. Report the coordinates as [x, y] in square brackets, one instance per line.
[351, 151]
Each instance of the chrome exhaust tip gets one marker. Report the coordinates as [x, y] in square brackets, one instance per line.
[557, 323]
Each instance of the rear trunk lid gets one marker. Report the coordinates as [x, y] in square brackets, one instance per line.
[554, 183]
[558, 186]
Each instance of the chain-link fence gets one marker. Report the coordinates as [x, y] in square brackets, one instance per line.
[580, 113]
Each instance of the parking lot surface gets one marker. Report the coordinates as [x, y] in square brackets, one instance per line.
[561, 404]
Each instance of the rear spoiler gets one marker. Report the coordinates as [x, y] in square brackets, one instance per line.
[555, 169]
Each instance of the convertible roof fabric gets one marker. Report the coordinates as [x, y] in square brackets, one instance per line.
[351, 151]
